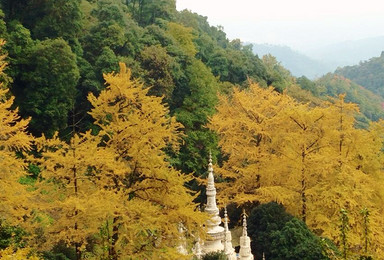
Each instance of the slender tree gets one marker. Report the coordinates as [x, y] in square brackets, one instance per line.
[73, 200]
[344, 229]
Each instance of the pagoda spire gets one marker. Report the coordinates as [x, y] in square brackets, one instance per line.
[245, 233]
[215, 233]
[211, 207]
[228, 248]
[245, 242]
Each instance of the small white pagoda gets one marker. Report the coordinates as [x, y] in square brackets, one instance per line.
[215, 232]
[245, 243]
[228, 248]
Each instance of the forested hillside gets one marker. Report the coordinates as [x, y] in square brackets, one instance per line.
[370, 104]
[58, 51]
[109, 110]
[369, 74]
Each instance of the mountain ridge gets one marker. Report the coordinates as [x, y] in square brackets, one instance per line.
[313, 63]
[297, 63]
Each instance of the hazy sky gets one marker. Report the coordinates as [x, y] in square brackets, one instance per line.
[301, 24]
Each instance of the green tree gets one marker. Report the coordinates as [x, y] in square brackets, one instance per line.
[277, 76]
[198, 104]
[309, 85]
[106, 62]
[184, 37]
[47, 18]
[263, 221]
[62, 18]
[215, 256]
[146, 12]
[157, 66]
[279, 235]
[47, 86]
[295, 242]
[243, 65]
[19, 46]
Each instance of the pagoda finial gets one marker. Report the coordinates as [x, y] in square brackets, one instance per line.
[225, 229]
[244, 224]
[210, 171]
[225, 219]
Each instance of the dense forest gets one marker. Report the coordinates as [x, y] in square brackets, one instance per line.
[109, 110]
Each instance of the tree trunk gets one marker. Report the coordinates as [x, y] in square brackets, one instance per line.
[115, 236]
[303, 190]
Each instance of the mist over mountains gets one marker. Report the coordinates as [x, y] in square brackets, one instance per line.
[348, 52]
[297, 63]
[314, 63]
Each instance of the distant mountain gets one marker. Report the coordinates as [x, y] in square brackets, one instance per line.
[297, 63]
[369, 74]
[348, 52]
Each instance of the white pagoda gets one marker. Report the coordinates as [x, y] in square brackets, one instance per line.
[215, 232]
[228, 248]
[219, 238]
[245, 243]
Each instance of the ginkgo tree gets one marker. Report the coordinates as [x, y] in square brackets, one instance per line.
[153, 199]
[244, 123]
[72, 202]
[299, 142]
[15, 199]
[116, 187]
[13, 138]
[352, 180]
[311, 159]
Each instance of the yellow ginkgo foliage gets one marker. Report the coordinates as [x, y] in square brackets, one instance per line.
[13, 138]
[154, 202]
[73, 203]
[245, 122]
[20, 254]
[311, 159]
